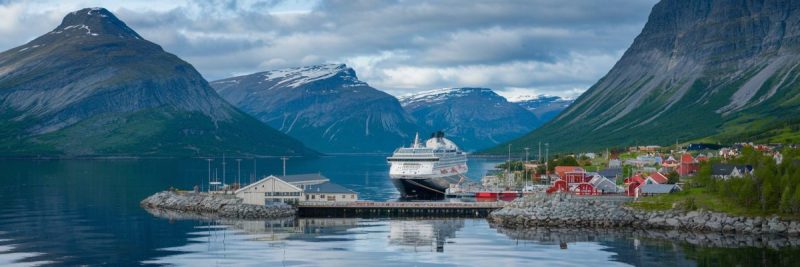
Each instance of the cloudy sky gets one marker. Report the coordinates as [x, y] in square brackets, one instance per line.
[515, 47]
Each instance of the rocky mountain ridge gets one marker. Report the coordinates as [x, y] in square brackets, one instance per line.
[326, 106]
[94, 78]
[474, 118]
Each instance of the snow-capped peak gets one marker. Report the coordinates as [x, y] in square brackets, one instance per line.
[540, 97]
[294, 77]
[441, 94]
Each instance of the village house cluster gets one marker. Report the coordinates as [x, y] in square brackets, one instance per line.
[649, 170]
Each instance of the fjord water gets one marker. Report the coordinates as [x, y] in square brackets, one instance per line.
[86, 212]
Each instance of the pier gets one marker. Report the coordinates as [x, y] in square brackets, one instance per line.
[397, 209]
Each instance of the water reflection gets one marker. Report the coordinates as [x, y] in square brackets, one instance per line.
[419, 234]
[74, 212]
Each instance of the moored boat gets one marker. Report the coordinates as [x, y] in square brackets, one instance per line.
[426, 170]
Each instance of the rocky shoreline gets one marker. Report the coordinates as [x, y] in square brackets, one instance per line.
[547, 235]
[570, 211]
[215, 206]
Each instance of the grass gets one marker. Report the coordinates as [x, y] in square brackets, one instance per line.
[700, 199]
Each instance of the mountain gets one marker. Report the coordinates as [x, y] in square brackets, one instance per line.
[474, 118]
[94, 87]
[545, 107]
[700, 69]
[326, 106]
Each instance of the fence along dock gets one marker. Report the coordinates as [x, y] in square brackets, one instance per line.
[397, 209]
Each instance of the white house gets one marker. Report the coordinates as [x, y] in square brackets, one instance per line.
[726, 171]
[270, 189]
[328, 192]
[604, 185]
[292, 189]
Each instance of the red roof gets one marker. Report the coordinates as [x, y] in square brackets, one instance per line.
[659, 178]
[562, 170]
[635, 179]
[687, 158]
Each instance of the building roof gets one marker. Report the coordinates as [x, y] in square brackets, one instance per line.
[328, 187]
[306, 177]
[636, 178]
[561, 170]
[659, 178]
[611, 172]
[263, 181]
[658, 188]
[687, 158]
[727, 169]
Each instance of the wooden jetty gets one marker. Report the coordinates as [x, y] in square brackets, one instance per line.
[397, 209]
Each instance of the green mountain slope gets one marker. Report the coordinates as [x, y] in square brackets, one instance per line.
[700, 69]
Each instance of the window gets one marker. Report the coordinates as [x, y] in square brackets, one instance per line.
[313, 196]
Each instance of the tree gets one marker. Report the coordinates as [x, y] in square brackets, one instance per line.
[786, 205]
[673, 177]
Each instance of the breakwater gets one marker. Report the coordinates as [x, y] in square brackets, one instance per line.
[215, 205]
[570, 211]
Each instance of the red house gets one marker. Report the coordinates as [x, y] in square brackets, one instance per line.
[656, 178]
[688, 165]
[633, 182]
[561, 171]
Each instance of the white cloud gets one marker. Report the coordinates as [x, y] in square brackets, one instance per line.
[515, 47]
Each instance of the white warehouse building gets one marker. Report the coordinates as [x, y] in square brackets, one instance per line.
[292, 189]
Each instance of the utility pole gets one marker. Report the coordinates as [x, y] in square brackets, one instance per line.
[540, 152]
[255, 174]
[223, 169]
[209, 173]
[547, 159]
[508, 166]
[239, 172]
[523, 165]
[284, 159]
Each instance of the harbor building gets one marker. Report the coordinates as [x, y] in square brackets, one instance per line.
[270, 189]
[328, 191]
[292, 189]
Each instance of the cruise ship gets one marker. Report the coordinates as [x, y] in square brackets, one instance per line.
[425, 171]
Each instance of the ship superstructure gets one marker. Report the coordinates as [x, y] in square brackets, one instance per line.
[426, 170]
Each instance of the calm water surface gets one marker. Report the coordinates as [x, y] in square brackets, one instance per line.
[86, 212]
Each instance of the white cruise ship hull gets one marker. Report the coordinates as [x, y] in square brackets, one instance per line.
[427, 171]
[424, 188]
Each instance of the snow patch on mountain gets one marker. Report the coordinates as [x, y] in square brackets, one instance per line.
[295, 77]
[441, 94]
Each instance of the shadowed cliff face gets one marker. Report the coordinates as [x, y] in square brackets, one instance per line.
[93, 76]
[474, 118]
[726, 69]
[326, 106]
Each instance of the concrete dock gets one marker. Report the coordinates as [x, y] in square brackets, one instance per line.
[397, 209]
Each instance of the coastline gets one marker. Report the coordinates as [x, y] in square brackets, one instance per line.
[214, 206]
[570, 211]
